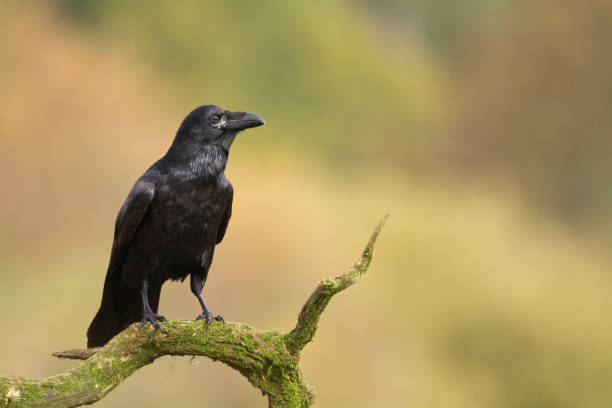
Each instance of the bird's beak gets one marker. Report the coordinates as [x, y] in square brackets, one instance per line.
[243, 120]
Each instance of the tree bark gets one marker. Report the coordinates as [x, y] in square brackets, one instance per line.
[268, 359]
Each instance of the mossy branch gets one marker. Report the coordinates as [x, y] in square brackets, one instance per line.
[325, 290]
[268, 359]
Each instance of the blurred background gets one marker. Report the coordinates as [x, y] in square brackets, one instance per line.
[483, 128]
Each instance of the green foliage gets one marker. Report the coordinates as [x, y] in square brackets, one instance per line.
[448, 26]
[477, 300]
[533, 105]
[330, 82]
[350, 82]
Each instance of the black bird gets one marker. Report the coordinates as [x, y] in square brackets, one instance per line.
[173, 217]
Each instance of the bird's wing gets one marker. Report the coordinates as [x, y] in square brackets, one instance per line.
[129, 219]
[225, 220]
[120, 304]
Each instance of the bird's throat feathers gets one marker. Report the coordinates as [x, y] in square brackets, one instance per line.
[211, 162]
[199, 160]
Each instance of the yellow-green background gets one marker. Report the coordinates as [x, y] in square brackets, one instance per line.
[484, 128]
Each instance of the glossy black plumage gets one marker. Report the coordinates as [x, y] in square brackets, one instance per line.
[173, 217]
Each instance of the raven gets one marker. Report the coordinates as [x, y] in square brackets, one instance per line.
[173, 217]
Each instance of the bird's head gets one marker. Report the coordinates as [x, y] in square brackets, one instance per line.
[212, 125]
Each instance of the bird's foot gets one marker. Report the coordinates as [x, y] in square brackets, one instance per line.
[149, 316]
[209, 318]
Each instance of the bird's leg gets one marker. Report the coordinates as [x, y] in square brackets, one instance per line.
[196, 289]
[147, 314]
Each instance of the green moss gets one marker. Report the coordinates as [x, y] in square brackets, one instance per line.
[31, 393]
[4, 389]
[262, 357]
[269, 360]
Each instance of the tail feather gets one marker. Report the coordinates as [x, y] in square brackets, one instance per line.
[121, 306]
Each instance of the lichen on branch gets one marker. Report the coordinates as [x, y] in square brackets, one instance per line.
[268, 359]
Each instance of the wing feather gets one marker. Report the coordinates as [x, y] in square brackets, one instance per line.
[129, 218]
[225, 219]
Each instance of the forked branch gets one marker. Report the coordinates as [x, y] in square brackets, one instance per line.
[268, 359]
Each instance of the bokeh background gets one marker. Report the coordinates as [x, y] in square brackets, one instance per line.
[483, 127]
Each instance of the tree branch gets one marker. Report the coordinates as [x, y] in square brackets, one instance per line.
[325, 290]
[76, 354]
[268, 359]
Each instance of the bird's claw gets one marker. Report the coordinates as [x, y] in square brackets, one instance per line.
[209, 318]
[153, 318]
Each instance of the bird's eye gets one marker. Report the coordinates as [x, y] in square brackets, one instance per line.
[217, 121]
